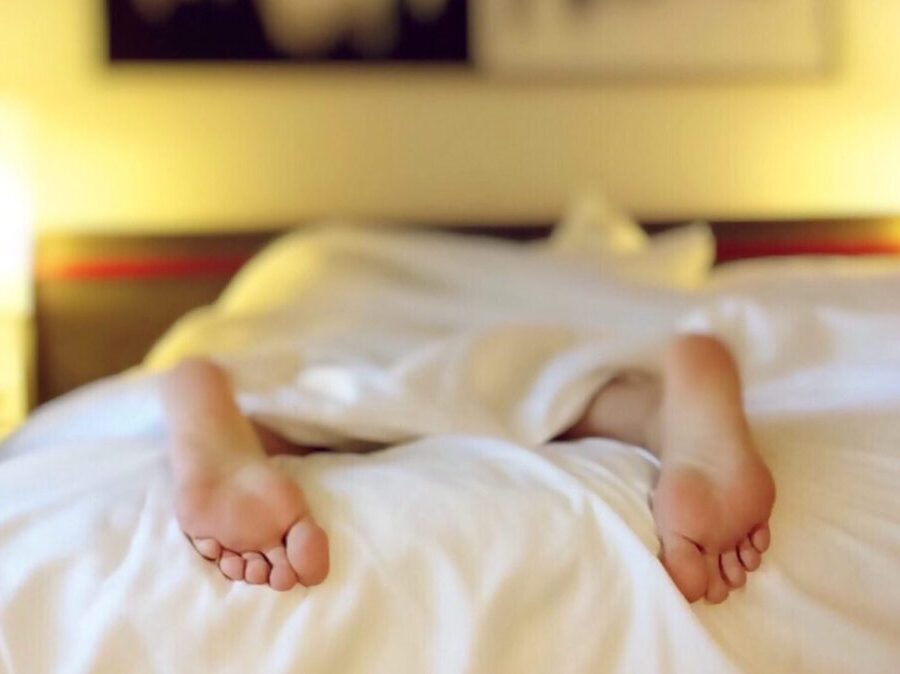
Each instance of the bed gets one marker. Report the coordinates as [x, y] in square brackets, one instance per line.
[483, 548]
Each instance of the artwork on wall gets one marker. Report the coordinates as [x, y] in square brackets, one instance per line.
[307, 31]
[501, 37]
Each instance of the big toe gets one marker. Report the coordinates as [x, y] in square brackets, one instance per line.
[307, 552]
[686, 566]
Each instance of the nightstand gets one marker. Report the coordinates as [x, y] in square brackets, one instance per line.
[16, 371]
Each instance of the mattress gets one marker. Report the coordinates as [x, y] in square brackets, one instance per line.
[473, 542]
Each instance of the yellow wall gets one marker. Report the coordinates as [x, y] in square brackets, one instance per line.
[194, 148]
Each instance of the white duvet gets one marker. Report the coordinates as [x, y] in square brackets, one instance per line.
[481, 547]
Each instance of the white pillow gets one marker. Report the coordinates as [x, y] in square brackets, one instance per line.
[597, 230]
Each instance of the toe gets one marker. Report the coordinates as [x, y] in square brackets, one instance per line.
[684, 563]
[307, 552]
[732, 571]
[209, 548]
[749, 555]
[717, 588]
[282, 577]
[761, 538]
[256, 568]
[232, 565]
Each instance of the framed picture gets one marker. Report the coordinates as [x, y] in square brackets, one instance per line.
[552, 38]
[305, 31]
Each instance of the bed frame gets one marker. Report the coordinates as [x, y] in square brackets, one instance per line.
[102, 300]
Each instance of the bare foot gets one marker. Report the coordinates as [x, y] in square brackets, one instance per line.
[714, 495]
[236, 507]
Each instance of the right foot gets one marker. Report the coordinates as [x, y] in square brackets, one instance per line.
[237, 508]
[714, 496]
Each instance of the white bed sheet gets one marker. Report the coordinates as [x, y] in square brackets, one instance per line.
[481, 549]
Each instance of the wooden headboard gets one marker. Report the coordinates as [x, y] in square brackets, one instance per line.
[103, 300]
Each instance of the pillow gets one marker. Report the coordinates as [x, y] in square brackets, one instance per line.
[598, 231]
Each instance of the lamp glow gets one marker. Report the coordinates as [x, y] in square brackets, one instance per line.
[15, 242]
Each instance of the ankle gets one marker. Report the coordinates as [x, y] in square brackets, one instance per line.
[645, 401]
[652, 430]
[627, 409]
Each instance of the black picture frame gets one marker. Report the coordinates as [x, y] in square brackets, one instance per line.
[216, 31]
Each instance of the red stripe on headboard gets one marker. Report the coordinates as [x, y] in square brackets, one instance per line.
[141, 268]
[738, 250]
[225, 266]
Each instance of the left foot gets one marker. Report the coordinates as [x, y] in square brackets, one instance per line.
[237, 508]
[252, 520]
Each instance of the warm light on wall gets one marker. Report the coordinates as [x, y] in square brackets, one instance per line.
[16, 237]
[15, 243]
